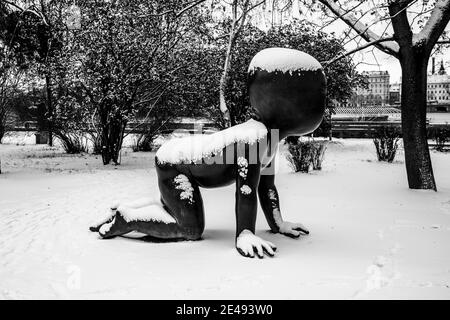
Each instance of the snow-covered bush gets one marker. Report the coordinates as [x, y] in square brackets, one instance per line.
[318, 154]
[96, 142]
[73, 142]
[143, 143]
[441, 136]
[305, 155]
[386, 142]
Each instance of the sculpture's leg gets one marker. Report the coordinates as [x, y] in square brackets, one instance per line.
[179, 217]
[111, 212]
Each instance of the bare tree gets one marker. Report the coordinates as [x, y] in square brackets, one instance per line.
[9, 82]
[409, 31]
[240, 10]
[44, 18]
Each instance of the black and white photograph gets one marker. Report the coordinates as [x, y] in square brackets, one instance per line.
[224, 150]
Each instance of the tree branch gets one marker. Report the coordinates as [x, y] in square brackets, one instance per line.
[400, 24]
[23, 10]
[171, 11]
[189, 7]
[391, 48]
[435, 25]
[367, 45]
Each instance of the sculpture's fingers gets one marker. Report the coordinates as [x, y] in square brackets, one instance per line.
[250, 251]
[244, 253]
[301, 228]
[268, 249]
[259, 251]
[292, 234]
[274, 247]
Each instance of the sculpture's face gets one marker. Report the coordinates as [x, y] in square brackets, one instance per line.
[288, 90]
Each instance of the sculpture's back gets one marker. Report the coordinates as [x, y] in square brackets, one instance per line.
[288, 90]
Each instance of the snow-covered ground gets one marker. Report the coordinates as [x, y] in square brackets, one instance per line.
[371, 237]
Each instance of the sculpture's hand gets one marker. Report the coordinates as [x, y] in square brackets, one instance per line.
[293, 230]
[247, 244]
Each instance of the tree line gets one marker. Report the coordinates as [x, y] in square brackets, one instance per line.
[131, 61]
[159, 59]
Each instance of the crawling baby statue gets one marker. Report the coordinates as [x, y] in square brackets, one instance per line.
[287, 91]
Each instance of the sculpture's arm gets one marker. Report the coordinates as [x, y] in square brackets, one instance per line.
[247, 179]
[270, 203]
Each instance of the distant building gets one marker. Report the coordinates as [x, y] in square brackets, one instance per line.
[438, 91]
[377, 93]
[394, 94]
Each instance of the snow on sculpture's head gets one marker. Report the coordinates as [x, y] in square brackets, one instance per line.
[287, 90]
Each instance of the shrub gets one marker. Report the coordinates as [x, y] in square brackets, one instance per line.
[441, 136]
[73, 142]
[386, 142]
[143, 143]
[318, 154]
[96, 141]
[305, 155]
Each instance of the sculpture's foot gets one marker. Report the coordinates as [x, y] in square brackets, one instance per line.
[109, 216]
[117, 227]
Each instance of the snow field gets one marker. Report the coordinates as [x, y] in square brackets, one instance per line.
[371, 237]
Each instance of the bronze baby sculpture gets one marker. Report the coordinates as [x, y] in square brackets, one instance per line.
[287, 91]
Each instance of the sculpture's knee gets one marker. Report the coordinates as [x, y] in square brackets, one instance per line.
[193, 233]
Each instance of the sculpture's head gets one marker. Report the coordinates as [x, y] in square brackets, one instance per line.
[287, 90]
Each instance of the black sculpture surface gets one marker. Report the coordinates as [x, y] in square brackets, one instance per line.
[287, 90]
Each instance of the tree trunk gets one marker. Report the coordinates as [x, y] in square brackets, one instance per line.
[236, 28]
[224, 78]
[2, 131]
[414, 109]
[49, 110]
[113, 132]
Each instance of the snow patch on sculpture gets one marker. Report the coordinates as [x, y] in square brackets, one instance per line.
[182, 183]
[135, 204]
[195, 148]
[243, 167]
[283, 60]
[154, 213]
[245, 189]
[106, 217]
[110, 213]
[104, 229]
[272, 195]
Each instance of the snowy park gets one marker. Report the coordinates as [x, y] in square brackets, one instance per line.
[371, 237]
[224, 150]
